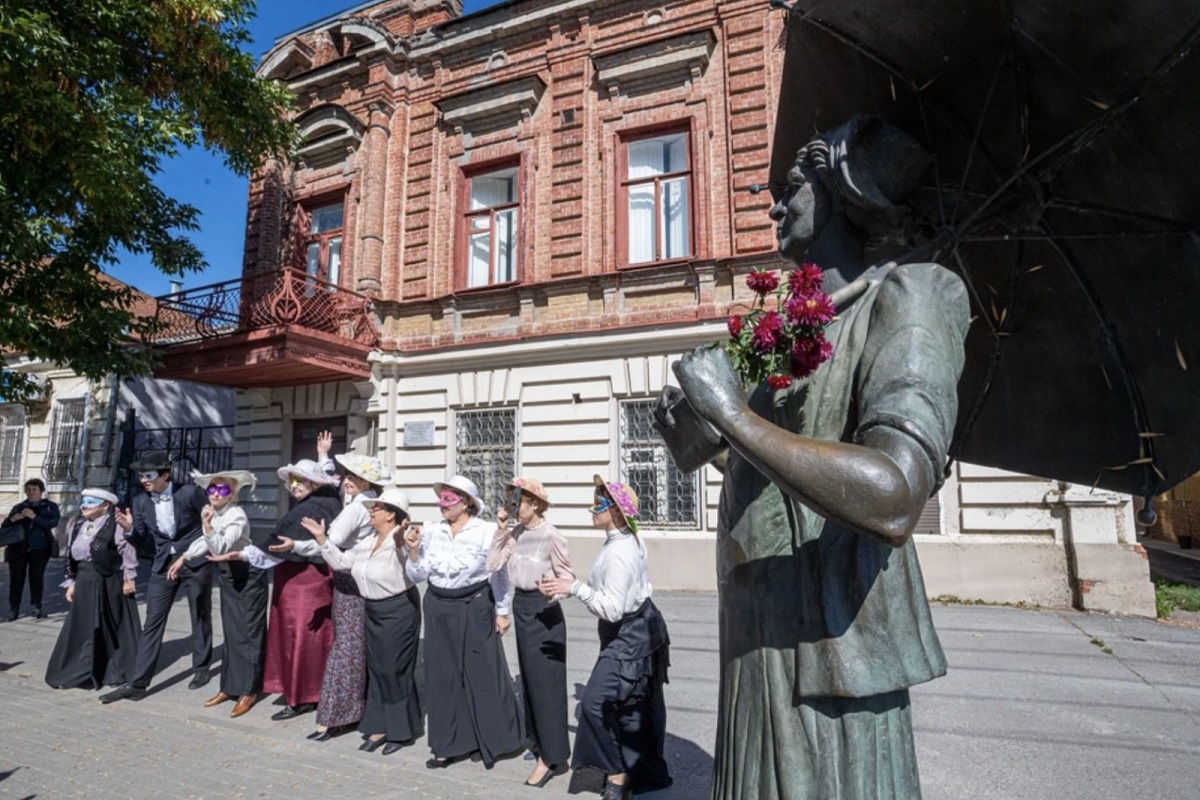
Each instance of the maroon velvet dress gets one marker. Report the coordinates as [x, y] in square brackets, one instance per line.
[300, 630]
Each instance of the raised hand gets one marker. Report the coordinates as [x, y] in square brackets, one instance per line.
[315, 527]
[206, 515]
[324, 444]
[124, 518]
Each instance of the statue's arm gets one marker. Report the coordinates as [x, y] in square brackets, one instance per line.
[877, 487]
[691, 441]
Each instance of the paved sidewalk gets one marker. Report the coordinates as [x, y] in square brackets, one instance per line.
[1034, 707]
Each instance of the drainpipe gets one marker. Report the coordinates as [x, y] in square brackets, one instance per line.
[110, 424]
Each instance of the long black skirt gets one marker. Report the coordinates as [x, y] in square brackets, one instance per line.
[623, 715]
[244, 597]
[542, 656]
[97, 645]
[393, 627]
[472, 706]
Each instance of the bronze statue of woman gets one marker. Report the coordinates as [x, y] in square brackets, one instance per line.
[824, 624]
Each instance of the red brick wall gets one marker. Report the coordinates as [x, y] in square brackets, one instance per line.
[568, 149]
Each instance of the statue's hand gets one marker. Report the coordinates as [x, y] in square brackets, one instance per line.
[712, 387]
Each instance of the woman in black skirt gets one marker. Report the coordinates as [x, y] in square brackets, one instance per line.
[97, 645]
[472, 706]
[392, 715]
[623, 717]
[243, 587]
[534, 550]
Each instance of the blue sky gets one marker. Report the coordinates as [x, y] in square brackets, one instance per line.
[202, 180]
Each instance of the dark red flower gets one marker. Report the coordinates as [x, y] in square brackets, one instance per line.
[735, 325]
[805, 279]
[808, 353]
[810, 310]
[767, 330]
[762, 282]
[779, 381]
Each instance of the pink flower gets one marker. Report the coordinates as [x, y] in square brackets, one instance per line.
[810, 310]
[808, 353]
[805, 279]
[767, 330]
[762, 282]
[779, 381]
[735, 325]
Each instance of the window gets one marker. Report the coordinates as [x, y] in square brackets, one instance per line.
[658, 225]
[324, 255]
[65, 454]
[487, 450]
[667, 498]
[12, 442]
[491, 227]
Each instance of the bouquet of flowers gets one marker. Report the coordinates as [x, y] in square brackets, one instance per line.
[787, 341]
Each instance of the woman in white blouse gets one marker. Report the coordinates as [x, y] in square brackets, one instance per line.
[392, 715]
[622, 715]
[226, 530]
[472, 706]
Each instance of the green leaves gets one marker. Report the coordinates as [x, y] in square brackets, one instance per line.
[94, 94]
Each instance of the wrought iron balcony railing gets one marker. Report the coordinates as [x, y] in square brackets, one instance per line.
[288, 297]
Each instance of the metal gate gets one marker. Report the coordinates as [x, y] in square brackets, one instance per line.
[206, 448]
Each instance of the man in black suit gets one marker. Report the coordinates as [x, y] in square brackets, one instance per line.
[167, 518]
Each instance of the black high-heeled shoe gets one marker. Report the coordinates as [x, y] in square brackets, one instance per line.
[442, 763]
[320, 736]
[371, 745]
[552, 771]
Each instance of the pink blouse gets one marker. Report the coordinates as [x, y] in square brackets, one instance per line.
[530, 554]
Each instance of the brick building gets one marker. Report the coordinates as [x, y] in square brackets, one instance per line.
[547, 202]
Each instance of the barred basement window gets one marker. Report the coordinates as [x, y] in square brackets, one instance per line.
[667, 497]
[65, 455]
[12, 442]
[486, 451]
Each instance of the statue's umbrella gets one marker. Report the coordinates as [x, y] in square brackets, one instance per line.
[1066, 192]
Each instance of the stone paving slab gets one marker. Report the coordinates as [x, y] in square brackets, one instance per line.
[1032, 707]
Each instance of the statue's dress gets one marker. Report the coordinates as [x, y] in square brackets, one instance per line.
[823, 630]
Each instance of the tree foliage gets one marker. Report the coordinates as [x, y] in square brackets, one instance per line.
[94, 95]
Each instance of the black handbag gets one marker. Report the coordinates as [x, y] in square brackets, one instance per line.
[12, 533]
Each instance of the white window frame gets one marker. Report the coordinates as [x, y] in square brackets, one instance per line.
[491, 486]
[76, 476]
[14, 422]
[653, 456]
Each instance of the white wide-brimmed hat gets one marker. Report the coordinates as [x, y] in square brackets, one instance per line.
[237, 478]
[462, 485]
[369, 468]
[308, 470]
[101, 494]
[391, 496]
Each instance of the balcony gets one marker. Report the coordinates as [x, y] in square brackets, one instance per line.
[281, 328]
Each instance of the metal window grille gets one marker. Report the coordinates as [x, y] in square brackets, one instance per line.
[65, 454]
[486, 451]
[12, 442]
[667, 498]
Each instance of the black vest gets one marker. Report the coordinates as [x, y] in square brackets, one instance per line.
[105, 557]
